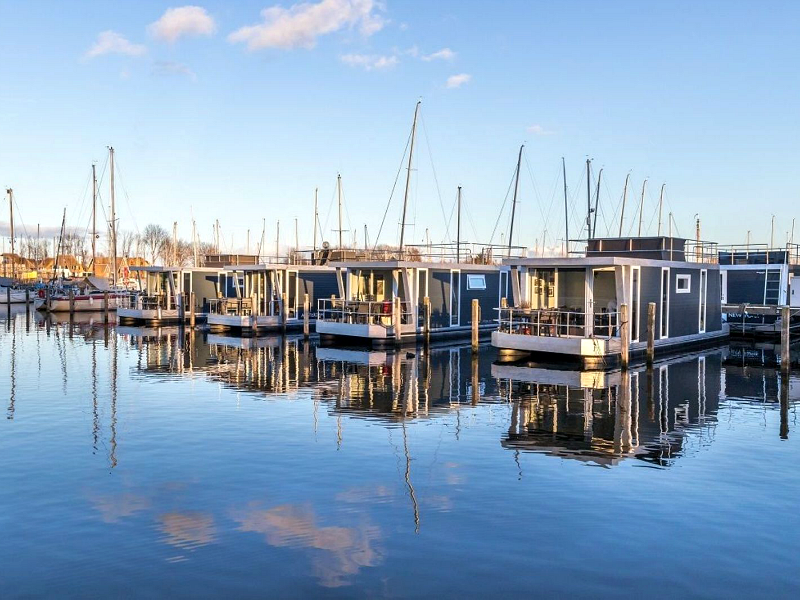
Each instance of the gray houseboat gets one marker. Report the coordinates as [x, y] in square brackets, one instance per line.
[165, 293]
[570, 307]
[263, 298]
[756, 280]
[383, 302]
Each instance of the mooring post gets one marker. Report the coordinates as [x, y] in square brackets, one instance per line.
[27, 300]
[47, 300]
[651, 332]
[784, 401]
[181, 308]
[624, 335]
[476, 390]
[192, 316]
[785, 323]
[397, 318]
[426, 319]
[71, 303]
[284, 310]
[476, 321]
[306, 317]
[105, 306]
[8, 299]
[503, 302]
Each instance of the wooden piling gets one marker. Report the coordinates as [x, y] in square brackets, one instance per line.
[426, 319]
[47, 305]
[625, 338]
[27, 300]
[651, 332]
[306, 317]
[785, 337]
[476, 321]
[476, 383]
[192, 317]
[397, 318]
[181, 308]
[8, 299]
[284, 311]
[105, 306]
[71, 303]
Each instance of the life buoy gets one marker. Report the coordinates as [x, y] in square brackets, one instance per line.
[386, 308]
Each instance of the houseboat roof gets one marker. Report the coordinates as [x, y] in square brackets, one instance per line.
[158, 269]
[280, 267]
[604, 261]
[415, 264]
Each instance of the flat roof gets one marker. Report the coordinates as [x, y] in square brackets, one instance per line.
[412, 264]
[605, 261]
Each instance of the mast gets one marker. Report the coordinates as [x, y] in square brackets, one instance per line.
[94, 219]
[58, 248]
[588, 199]
[296, 238]
[194, 241]
[596, 203]
[408, 177]
[278, 241]
[566, 208]
[641, 209]
[458, 228]
[216, 235]
[174, 243]
[339, 193]
[11, 216]
[316, 216]
[113, 223]
[772, 233]
[514, 202]
[660, 205]
[624, 199]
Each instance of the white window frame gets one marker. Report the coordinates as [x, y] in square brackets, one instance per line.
[638, 322]
[683, 277]
[457, 311]
[702, 305]
[663, 325]
[476, 276]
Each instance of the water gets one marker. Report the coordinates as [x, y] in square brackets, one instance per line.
[141, 462]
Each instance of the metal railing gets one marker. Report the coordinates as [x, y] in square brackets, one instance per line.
[553, 322]
[759, 254]
[363, 312]
[699, 251]
[139, 301]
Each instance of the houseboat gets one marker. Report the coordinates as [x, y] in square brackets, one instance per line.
[756, 281]
[164, 294]
[569, 308]
[382, 303]
[264, 298]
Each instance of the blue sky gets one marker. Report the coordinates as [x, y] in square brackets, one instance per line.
[218, 121]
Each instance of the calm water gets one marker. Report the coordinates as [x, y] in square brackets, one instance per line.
[143, 462]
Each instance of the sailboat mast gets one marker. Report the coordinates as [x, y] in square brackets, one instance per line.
[194, 241]
[514, 202]
[624, 199]
[408, 177]
[316, 216]
[339, 193]
[94, 219]
[113, 222]
[566, 207]
[588, 199]
[11, 217]
[660, 205]
[458, 228]
[596, 203]
[641, 208]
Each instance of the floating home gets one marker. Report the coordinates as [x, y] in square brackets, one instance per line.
[569, 308]
[264, 298]
[381, 303]
[164, 294]
[756, 280]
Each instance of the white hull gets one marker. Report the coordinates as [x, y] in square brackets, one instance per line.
[17, 296]
[85, 304]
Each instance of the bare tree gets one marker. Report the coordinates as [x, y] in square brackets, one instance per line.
[128, 240]
[154, 237]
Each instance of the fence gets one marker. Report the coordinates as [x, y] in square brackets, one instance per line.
[362, 313]
[558, 323]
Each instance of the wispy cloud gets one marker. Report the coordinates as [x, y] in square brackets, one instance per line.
[182, 21]
[369, 62]
[111, 42]
[300, 25]
[168, 68]
[538, 130]
[443, 54]
[456, 81]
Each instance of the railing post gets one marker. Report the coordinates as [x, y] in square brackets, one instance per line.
[651, 332]
[306, 317]
[191, 310]
[624, 335]
[785, 338]
[476, 317]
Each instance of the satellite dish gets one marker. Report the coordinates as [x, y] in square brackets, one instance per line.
[325, 245]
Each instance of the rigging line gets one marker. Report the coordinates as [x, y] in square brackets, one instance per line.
[435, 178]
[394, 186]
[616, 209]
[503, 206]
[127, 198]
[330, 207]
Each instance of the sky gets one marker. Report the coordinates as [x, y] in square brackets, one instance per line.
[239, 111]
